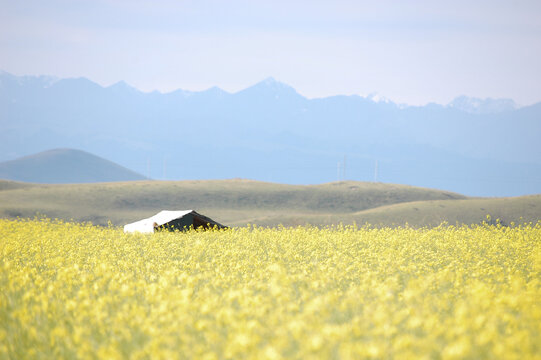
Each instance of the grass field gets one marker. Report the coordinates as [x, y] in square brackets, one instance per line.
[241, 202]
[81, 291]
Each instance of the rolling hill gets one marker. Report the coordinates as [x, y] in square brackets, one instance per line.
[238, 202]
[61, 166]
[505, 211]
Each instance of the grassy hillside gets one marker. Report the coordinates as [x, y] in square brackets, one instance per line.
[429, 213]
[239, 202]
[65, 166]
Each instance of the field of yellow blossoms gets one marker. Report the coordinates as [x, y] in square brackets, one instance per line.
[80, 291]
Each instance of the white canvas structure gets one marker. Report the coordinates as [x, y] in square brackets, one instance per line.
[171, 220]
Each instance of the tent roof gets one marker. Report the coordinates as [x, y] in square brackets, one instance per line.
[162, 218]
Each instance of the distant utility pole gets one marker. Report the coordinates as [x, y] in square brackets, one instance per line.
[164, 168]
[341, 170]
[376, 171]
[344, 169]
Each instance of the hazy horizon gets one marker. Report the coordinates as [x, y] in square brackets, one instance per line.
[414, 53]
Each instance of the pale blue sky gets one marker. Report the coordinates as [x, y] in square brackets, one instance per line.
[412, 52]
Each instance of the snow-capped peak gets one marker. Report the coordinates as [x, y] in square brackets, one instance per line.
[474, 105]
[377, 98]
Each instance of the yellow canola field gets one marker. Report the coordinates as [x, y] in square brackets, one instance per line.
[80, 291]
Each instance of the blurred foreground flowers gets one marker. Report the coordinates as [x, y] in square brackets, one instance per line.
[79, 291]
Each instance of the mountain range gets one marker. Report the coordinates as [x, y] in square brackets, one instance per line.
[269, 132]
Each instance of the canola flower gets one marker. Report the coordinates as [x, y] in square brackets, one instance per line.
[453, 292]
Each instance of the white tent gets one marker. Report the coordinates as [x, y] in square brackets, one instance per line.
[172, 220]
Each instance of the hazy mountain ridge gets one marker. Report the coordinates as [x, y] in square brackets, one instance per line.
[63, 166]
[270, 132]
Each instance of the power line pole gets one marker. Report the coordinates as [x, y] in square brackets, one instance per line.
[164, 167]
[344, 169]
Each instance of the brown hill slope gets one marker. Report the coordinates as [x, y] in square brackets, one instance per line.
[233, 202]
[428, 213]
[239, 202]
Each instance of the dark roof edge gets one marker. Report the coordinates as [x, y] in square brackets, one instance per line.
[208, 220]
